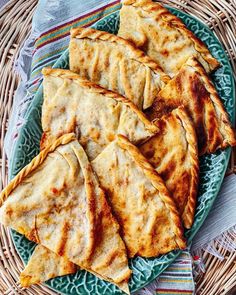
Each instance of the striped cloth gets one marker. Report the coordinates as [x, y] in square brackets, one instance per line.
[51, 26]
[177, 279]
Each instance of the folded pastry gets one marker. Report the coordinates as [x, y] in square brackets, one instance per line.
[44, 265]
[192, 88]
[115, 64]
[150, 223]
[173, 153]
[163, 36]
[72, 104]
[74, 211]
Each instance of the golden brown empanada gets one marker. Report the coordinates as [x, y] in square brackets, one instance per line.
[163, 36]
[73, 104]
[192, 88]
[44, 265]
[115, 64]
[173, 153]
[149, 221]
[56, 201]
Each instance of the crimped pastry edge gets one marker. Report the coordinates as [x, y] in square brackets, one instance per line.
[38, 160]
[189, 209]
[92, 87]
[218, 104]
[151, 7]
[134, 53]
[158, 183]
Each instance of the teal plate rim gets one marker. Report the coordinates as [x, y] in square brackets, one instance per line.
[212, 169]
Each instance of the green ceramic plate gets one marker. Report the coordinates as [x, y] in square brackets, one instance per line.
[212, 169]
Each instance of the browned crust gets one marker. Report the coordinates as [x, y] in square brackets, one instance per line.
[189, 210]
[92, 87]
[230, 139]
[26, 279]
[89, 184]
[43, 141]
[135, 53]
[157, 10]
[39, 159]
[158, 183]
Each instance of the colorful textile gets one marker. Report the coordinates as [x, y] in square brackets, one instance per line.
[177, 279]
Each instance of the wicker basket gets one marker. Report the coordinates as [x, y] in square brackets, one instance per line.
[15, 26]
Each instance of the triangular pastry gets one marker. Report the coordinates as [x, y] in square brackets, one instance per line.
[56, 201]
[162, 36]
[115, 64]
[173, 153]
[150, 223]
[73, 104]
[192, 88]
[44, 265]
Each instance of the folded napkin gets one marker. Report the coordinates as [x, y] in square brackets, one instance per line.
[49, 38]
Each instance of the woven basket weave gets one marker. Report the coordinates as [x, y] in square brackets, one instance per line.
[15, 26]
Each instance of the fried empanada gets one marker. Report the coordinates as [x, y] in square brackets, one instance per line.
[192, 88]
[173, 153]
[162, 35]
[56, 201]
[150, 223]
[73, 104]
[115, 64]
[44, 265]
